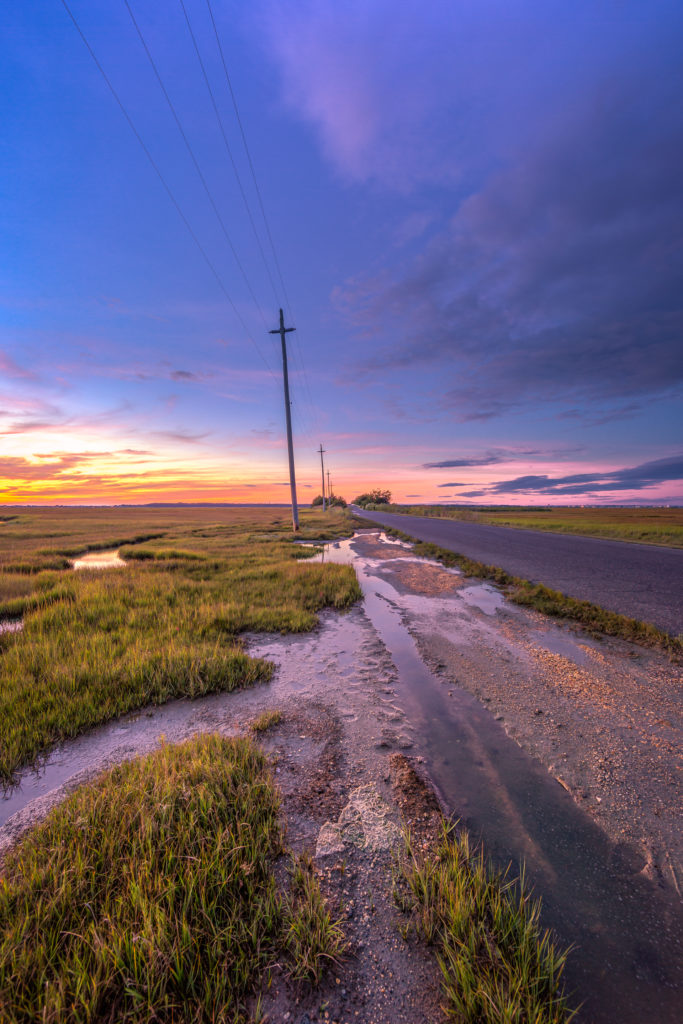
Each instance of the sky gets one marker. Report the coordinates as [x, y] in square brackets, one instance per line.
[470, 210]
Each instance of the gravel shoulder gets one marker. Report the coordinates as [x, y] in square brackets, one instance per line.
[642, 581]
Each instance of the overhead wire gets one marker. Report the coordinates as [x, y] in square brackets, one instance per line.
[297, 351]
[228, 148]
[195, 161]
[166, 187]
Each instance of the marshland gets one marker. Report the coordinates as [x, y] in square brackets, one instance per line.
[284, 850]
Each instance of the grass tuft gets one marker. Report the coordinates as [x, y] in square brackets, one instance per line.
[496, 964]
[151, 895]
[313, 939]
[266, 720]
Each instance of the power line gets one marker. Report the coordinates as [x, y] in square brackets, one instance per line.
[251, 163]
[194, 160]
[252, 169]
[167, 188]
[229, 150]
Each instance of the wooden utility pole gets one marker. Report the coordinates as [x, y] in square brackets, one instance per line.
[329, 489]
[282, 330]
[322, 470]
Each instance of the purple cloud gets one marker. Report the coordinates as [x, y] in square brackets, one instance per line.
[556, 277]
[647, 474]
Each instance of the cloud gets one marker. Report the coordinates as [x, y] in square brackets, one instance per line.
[486, 460]
[454, 483]
[12, 369]
[556, 275]
[183, 435]
[634, 478]
[368, 83]
[497, 455]
[183, 375]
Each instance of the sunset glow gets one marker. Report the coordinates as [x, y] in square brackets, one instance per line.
[474, 211]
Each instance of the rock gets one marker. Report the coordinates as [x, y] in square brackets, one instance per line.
[365, 822]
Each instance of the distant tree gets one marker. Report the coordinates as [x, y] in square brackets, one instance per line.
[376, 497]
[335, 500]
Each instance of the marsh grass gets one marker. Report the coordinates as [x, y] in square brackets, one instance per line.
[663, 526]
[266, 720]
[552, 602]
[151, 895]
[313, 938]
[98, 644]
[496, 963]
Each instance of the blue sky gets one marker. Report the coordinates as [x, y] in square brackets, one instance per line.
[477, 211]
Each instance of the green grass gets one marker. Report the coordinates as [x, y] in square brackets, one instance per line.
[496, 964]
[266, 720]
[96, 644]
[551, 602]
[151, 895]
[313, 939]
[663, 526]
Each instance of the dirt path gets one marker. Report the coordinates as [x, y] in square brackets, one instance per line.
[414, 679]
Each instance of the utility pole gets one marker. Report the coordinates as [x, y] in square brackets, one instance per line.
[282, 330]
[322, 470]
[329, 489]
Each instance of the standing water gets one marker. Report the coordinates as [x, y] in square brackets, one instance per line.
[626, 932]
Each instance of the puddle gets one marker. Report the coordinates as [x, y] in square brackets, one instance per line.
[99, 560]
[339, 552]
[484, 597]
[558, 642]
[11, 626]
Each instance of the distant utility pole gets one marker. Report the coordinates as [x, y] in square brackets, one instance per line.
[282, 330]
[329, 489]
[322, 470]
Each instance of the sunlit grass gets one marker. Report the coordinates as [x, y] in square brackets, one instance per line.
[496, 963]
[662, 526]
[151, 895]
[99, 643]
[266, 720]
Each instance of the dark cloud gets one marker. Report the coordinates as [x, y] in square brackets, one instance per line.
[183, 375]
[498, 455]
[182, 435]
[559, 279]
[455, 483]
[486, 460]
[631, 478]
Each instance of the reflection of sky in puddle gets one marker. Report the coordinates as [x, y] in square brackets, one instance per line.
[99, 560]
[11, 626]
[484, 597]
[558, 642]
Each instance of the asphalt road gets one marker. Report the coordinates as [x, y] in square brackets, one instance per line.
[640, 580]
